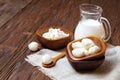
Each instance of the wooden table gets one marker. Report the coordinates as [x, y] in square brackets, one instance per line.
[19, 19]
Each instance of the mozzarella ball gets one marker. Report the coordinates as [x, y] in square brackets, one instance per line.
[94, 50]
[33, 46]
[79, 52]
[86, 53]
[87, 43]
[77, 45]
[46, 59]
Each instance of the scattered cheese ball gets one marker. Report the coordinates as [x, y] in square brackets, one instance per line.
[33, 46]
[78, 52]
[54, 33]
[94, 49]
[46, 59]
[77, 45]
[87, 43]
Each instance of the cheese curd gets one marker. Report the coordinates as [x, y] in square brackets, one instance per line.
[46, 59]
[84, 48]
[54, 33]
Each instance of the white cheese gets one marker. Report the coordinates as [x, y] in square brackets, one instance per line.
[33, 46]
[54, 33]
[46, 59]
[87, 43]
[94, 49]
[77, 45]
[79, 52]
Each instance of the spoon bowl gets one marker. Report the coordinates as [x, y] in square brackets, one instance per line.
[54, 60]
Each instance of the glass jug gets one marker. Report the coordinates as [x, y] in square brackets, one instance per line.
[92, 23]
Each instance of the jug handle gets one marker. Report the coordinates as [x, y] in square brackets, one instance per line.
[107, 29]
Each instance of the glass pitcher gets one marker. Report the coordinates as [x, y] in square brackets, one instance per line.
[92, 23]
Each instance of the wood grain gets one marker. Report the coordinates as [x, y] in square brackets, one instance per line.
[19, 19]
[9, 8]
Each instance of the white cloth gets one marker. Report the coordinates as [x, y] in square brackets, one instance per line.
[109, 70]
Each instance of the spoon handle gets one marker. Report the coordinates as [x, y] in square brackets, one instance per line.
[62, 54]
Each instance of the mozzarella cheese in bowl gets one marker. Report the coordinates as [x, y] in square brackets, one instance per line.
[77, 45]
[54, 34]
[94, 49]
[84, 48]
[87, 43]
[79, 52]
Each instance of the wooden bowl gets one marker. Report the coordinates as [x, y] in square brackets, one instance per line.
[54, 44]
[97, 40]
[86, 65]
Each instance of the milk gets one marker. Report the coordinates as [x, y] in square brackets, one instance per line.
[89, 27]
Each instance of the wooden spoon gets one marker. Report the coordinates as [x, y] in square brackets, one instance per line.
[54, 60]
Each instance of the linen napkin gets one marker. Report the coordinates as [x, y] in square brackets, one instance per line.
[109, 70]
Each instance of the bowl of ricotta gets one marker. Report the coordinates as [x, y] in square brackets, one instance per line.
[54, 37]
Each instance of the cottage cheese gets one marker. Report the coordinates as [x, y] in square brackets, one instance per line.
[54, 33]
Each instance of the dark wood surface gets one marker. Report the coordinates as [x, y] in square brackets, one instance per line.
[19, 19]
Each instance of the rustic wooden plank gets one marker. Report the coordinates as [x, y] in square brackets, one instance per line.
[15, 36]
[9, 8]
[23, 70]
